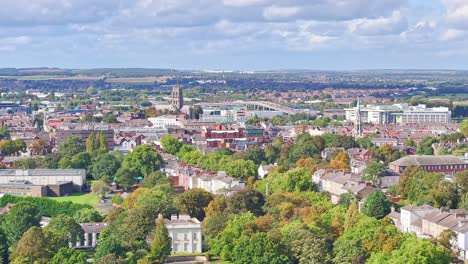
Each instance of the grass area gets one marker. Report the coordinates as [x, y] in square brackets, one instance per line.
[79, 198]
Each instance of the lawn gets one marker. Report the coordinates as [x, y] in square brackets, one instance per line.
[79, 198]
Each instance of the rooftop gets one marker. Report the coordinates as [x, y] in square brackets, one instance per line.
[426, 160]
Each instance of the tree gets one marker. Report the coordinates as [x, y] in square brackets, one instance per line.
[4, 244]
[33, 247]
[413, 250]
[90, 143]
[352, 215]
[102, 142]
[104, 165]
[241, 169]
[410, 143]
[464, 127]
[109, 245]
[193, 202]
[311, 248]
[88, 215]
[71, 146]
[346, 199]
[341, 161]
[4, 133]
[154, 179]
[68, 256]
[224, 242]
[246, 201]
[376, 205]
[171, 144]
[447, 239]
[258, 249]
[61, 231]
[143, 159]
[162, 245]
[99, 188]
[21, 217]
[38, 146]
[406, 180]
[81, 160]
[373, 172]
[125, 177]
[156, 202]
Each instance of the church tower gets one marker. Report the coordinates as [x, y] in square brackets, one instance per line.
[357, 130]
[177, 97]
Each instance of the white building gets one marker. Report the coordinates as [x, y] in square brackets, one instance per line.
[263, 170]
[44, 177]
[185, 233]
[164, 121]
[220, 183]
[400, 114]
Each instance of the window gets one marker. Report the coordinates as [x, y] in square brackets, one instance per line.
[185, 247]
[185, 237]
[176, 248]
[194, 236]
[194, 247]
[175, 236]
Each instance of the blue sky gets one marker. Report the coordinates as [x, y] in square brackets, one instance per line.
[235, 34]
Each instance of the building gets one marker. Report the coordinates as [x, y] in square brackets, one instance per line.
[185, 233]
[13, 108]
[384, 141]
[177, 97]
[42, 182]
[399, 114]
[83, 134]
[446, 164]
[421, 114]
[91, 232]
[164, 121]
[224, 137]
[264, 170]
[338, 182]
[427, 221]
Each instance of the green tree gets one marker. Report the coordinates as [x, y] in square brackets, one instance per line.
[109, 245]
[162, 245]
[413, 250]
[464, 127]
[68, 256]
[21, 217]
[376, 205]
[91, 143]
[308, 247]
[410, 143]
[71, 146]
[193, 202]
[156, 202]
[125, 177]
[31, 248]
[61, 231]
[373, 172]
[171, 144]
[154, 179]
[259, 249]
[352, 215]
[235, 229]
[99, 188]
[4, 244]
[105, 165]
[102, 142]
[143, 159]
[88, 215]
[246, 201]
[81, 160]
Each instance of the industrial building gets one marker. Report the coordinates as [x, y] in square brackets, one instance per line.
[42, 182]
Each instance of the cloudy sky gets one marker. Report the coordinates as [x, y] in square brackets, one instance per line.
[235, 34]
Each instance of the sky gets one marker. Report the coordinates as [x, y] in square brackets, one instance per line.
[235, 34]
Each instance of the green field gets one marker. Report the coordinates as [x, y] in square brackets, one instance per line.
[79, 198]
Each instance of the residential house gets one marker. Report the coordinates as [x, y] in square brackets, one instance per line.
[185, 233]
[263, 170]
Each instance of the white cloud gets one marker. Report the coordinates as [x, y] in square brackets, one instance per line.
[394, 24]
[280, 12]
[457, 13]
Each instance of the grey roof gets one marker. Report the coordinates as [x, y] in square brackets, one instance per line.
[424, 207]
[43, 172]
[93, 227]
[426, 160]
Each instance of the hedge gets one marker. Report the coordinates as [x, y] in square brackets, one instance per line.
[47, 207]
